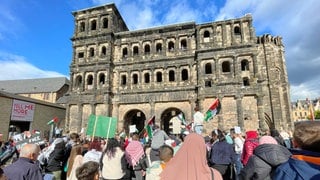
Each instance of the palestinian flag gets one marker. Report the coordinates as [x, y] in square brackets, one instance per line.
[213, 110]
[148, 127]
[54, 120]
[182, 119]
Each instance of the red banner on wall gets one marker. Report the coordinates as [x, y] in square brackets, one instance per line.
[22, 111]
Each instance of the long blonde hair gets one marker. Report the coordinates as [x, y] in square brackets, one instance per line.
[76, 150]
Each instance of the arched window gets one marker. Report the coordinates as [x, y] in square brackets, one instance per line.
[226, 66]
[159, 47]
[93, 25]
[206, 34]
[102, 79]
[90, 80]
[78, 82]
[146, 78]
[147, 49]
[170, 46]
[91, 52]
[135, 50]
[123, 80]
[103, 51]
[183, 44]
[135, 78]
[82, 27]
[105, 23]
[208, 68]
[244, 65]
[171, 75]
[184, 75]
[159, 77]
[125, 52]
[237, 30]
[246, 81]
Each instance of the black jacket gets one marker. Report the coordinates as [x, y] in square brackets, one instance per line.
[265, 158]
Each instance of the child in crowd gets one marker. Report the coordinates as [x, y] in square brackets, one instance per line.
[305, 161]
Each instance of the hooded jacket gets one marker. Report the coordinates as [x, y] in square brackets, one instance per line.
[302, 165]
[265, 159]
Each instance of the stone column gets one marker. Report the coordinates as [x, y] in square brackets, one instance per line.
[261, 118]
[240, 111]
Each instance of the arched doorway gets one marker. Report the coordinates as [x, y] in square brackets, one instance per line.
[136, 117]
[166, 117]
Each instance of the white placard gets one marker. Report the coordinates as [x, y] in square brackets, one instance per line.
[132, 128]
[22, 111]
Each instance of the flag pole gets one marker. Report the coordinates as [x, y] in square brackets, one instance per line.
[109, 126]
[94, 128]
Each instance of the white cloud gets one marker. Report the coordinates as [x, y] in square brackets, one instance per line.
[16, 67]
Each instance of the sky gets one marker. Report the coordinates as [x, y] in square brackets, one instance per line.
[35, 35]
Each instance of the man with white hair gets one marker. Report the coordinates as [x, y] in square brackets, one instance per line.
[25, 168]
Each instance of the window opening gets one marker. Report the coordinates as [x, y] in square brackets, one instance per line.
[146, 78]
[237, 30]
[171, 46]
[184, 75]
[207, 84]
[82, 27]
[104, 50]
[206, 34]
[159, 47]
[93, 25]
[102, 78]
[159, 77]
[135, 50]
[245, 65]
[90, 80]
[226, 66]
[105, 23]
[147, 49]
[208, 68]
[123, 80]
[171, 76]
[135, 78]
[80, 55]
[183, 44]
[91, 53]
[246, 81]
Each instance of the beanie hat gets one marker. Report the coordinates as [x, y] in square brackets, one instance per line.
[252, 134]
[267, 140]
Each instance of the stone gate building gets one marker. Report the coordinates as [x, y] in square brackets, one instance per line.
[166, 70]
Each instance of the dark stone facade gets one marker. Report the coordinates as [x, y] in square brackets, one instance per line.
[163, 71]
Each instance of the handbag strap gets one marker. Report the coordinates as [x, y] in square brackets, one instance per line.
[212, 177]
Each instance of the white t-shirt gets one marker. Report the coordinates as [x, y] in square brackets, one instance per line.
[198, 118]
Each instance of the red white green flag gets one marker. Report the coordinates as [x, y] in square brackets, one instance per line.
[54, 120]
[213, 110]
[148, 127]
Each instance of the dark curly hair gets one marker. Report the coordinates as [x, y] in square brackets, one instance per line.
[87, 171]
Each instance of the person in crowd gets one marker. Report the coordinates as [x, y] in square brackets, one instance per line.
[238, 147]
[25, 168]
[113, 164]
[56, 159]
[73, 140]
[305, 160]
[136, 157]
[94, 151]
[286, 138]
[266, 157]
[228, 136]
[75, 160]
[250, 143]
[190, 162]
[276, 135]
[165, 153]
[2, 176]
[222, 156]
[158, 139]
[198, 118]
[182, 136]
[88, 171]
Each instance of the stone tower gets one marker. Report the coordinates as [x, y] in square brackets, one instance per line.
[167, 70]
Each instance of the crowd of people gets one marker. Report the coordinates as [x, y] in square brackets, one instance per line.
[191, 155]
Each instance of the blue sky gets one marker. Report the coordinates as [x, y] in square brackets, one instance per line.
[35, 35]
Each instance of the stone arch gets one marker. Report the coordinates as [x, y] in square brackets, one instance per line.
[134, 117]
[166, 116]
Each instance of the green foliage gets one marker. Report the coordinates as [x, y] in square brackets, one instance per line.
[317, 114]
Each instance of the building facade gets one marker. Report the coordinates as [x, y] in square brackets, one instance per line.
[302, 109]
[19, 114]
[44, 89]
[167, 70]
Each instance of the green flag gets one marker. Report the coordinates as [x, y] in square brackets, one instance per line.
[102, 126]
